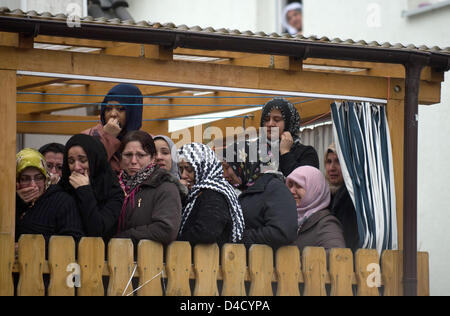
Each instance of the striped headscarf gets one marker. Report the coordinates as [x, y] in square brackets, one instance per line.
[209, 175]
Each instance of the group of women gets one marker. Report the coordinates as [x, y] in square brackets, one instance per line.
[120, 182]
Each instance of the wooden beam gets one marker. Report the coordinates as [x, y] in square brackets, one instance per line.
[196, 73]
[38, 83]
[77, 42]
[7, 151]
[70, 125]
[89, 93]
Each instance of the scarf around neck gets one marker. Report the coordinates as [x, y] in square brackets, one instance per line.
[130, 185]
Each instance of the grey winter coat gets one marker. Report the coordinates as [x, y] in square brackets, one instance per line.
[157, 211]
[322, 229]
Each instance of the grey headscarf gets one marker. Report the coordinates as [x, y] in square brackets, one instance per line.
[173, 151]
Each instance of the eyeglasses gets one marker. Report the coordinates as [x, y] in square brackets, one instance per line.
[26, 180]
[129, 156]
[51, 166]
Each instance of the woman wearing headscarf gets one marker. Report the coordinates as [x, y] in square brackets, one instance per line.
[88, 177]
[121, 112]
[41, 208]
[281, 123]
[317, 226]
[293, 18]
[211, 213]
[152, 206]
[341, 203]
[269, 209]
[166, 154]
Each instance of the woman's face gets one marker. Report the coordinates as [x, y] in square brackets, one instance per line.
[163, 154]
[274, 120]
[297, 191]
[333, 169]
[295, 18]
[78, 160]
[32, 178]
[114, 110]
[187, 173]
[230, 175]
[135, 158]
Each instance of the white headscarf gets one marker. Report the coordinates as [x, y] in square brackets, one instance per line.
[293, 6]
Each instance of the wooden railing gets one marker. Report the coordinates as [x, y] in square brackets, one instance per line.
[84, 273]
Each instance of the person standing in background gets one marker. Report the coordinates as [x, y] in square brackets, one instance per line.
[293, 18]
[341, 204]
[121, 112]
[54, 155]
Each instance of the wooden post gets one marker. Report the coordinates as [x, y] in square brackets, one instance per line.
[395, 111]
[7, 150]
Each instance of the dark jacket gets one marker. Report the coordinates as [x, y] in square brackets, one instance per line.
[342, 207]
[210, 220]
[300, 155]
[156, 214]
[100, 219]
[54, 213]
[322, 229]
[270, 213]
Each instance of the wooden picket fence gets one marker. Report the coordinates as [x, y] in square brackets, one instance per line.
[288, 273]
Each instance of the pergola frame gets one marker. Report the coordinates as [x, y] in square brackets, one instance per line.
[403, 78]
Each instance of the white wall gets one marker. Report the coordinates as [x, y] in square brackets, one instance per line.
[253, 15]
[382, 21]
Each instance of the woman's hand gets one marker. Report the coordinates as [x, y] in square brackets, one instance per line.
[186, 183]
[28, 194]
[112, 127]
[54, 178]
[78, 180]
[286, 143]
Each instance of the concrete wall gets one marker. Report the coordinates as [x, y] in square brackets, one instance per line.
[382, 21]
[253, 15]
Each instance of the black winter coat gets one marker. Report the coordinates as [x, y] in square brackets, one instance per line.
[270, 213]
[210, 220]
[54, 213]
[300, 155]
[342, 207]
[100, 219]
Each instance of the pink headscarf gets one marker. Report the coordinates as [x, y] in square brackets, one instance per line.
[317, 195]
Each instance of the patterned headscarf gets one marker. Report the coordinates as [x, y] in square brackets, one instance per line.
[290, 115]
[239, 158]
[209, 175]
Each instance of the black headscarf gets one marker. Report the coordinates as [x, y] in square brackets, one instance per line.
[101, 176]
[290, 115]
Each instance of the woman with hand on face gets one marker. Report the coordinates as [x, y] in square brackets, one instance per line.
[317, 226]
[42, 208]
[121, 112]
[152, 207]
[88, 177]
[280, 118]
[211, 213]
